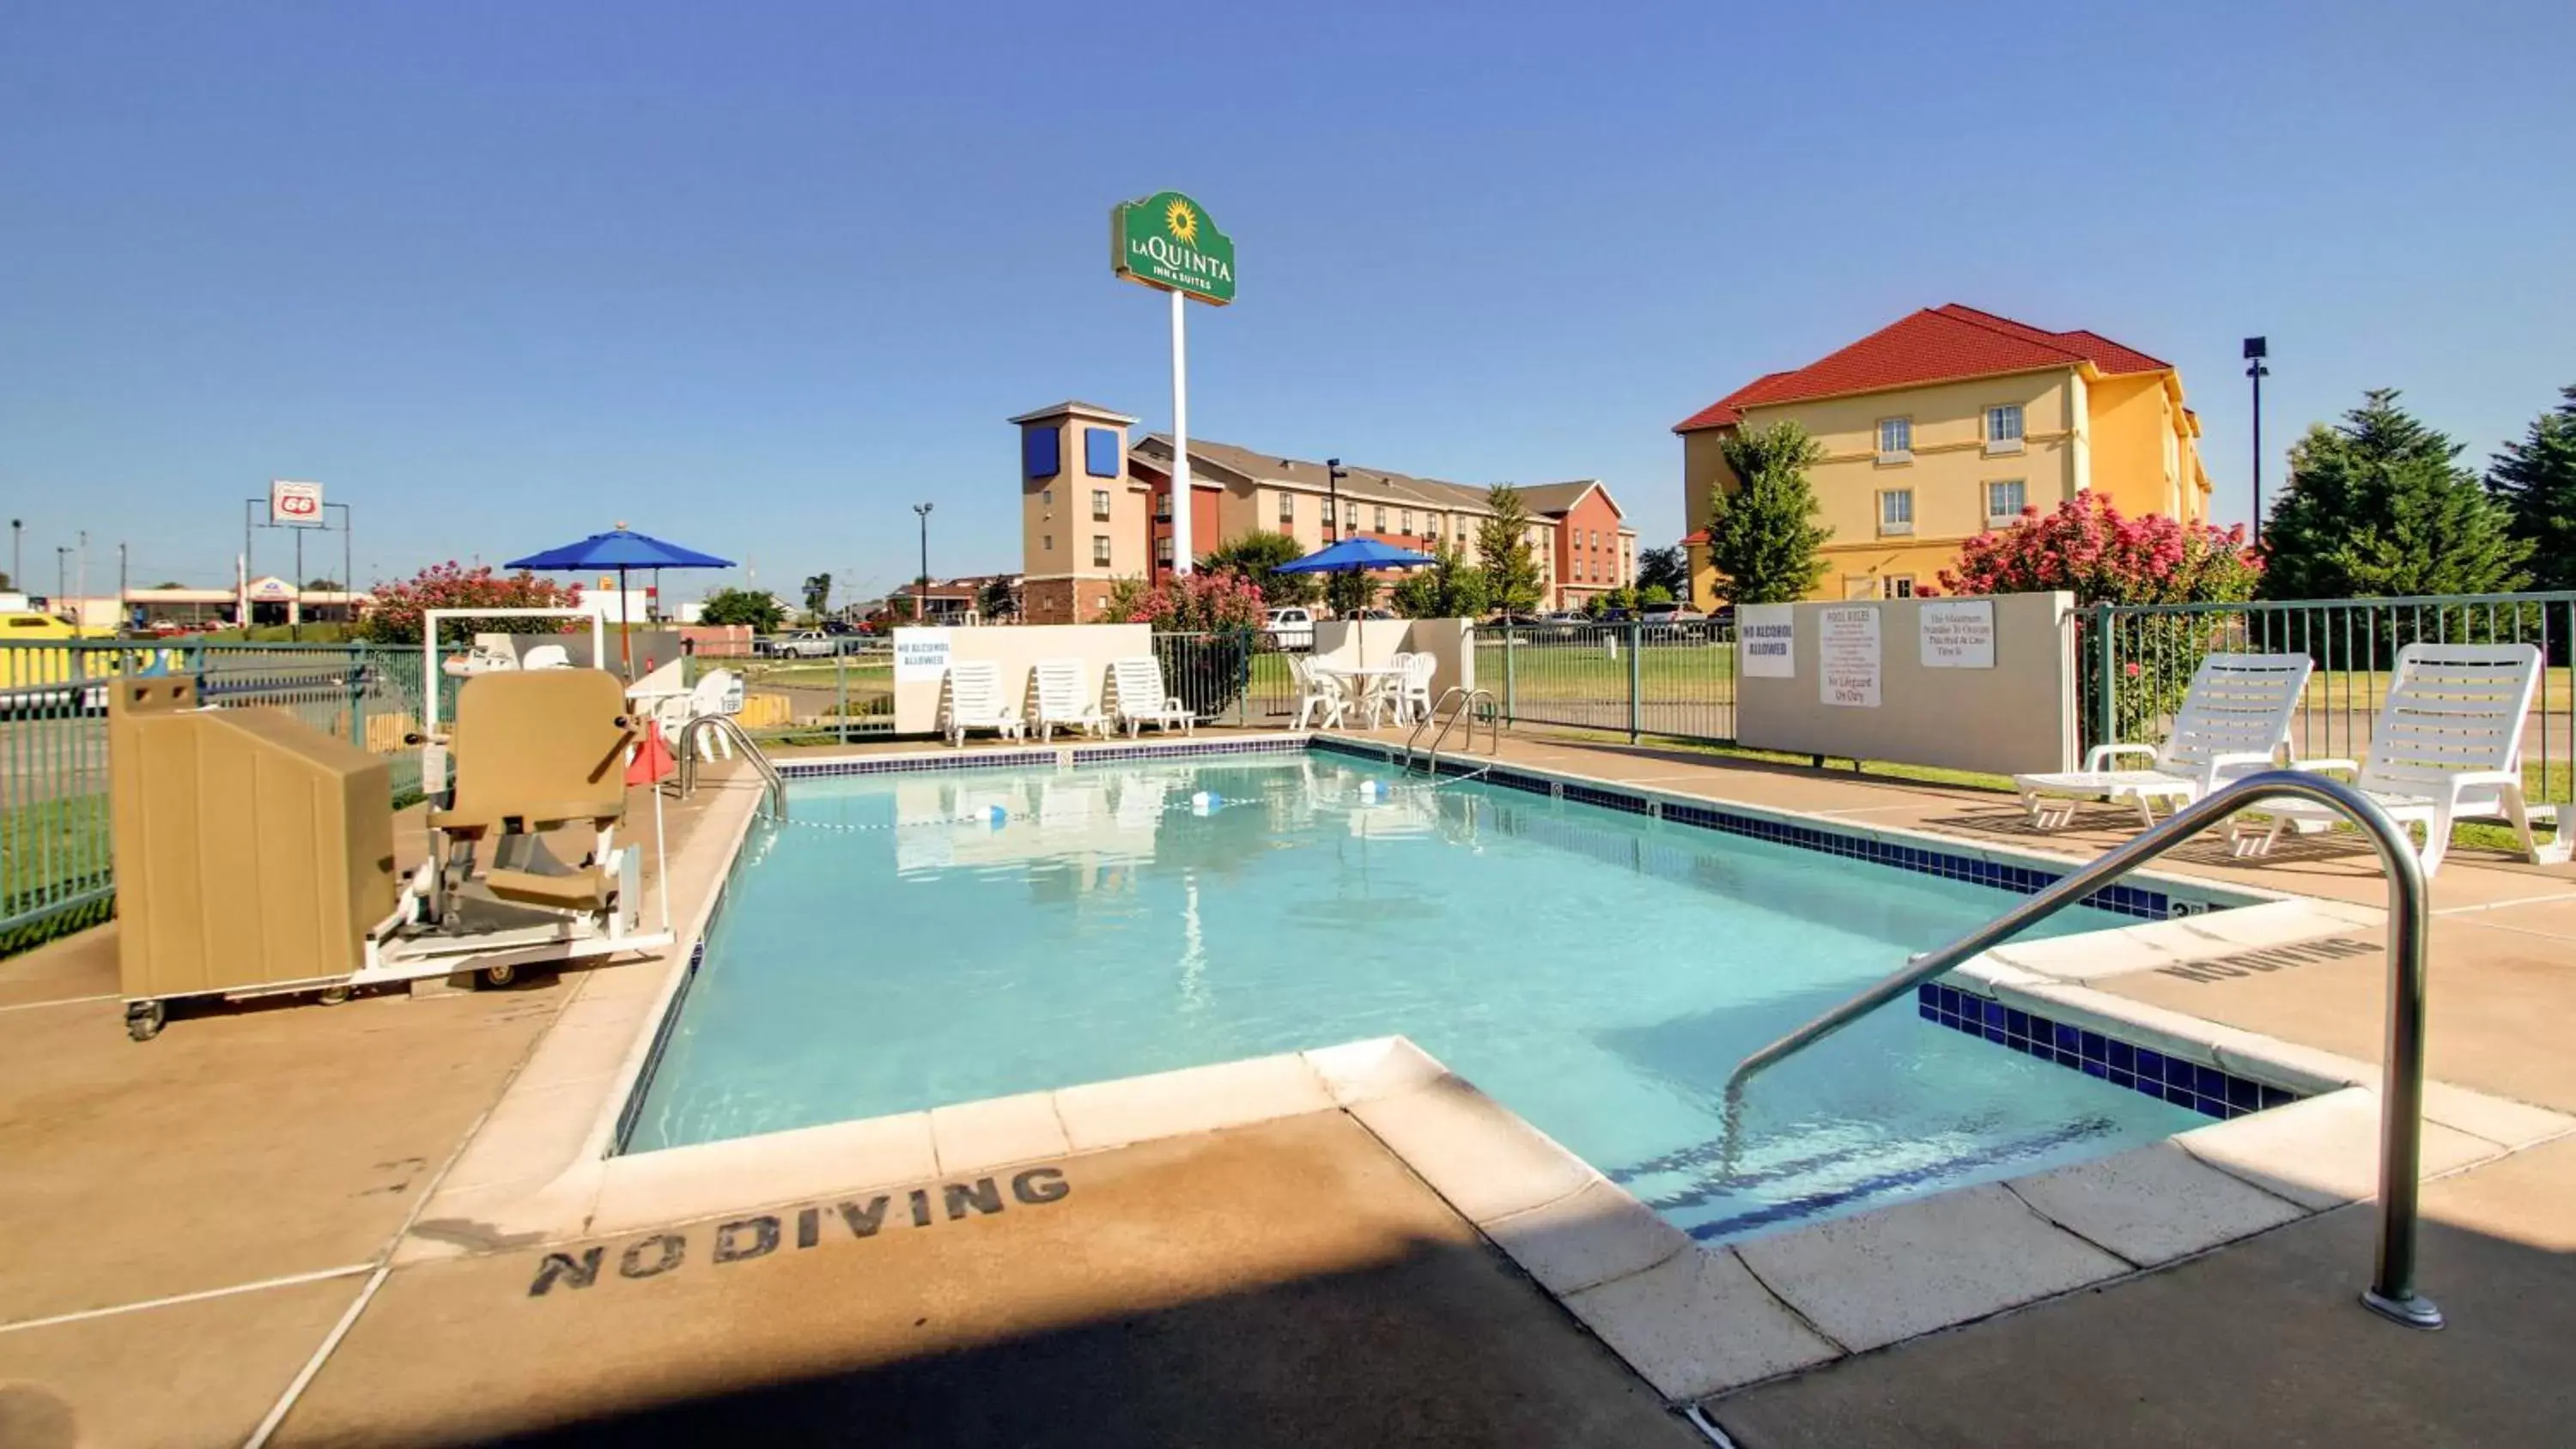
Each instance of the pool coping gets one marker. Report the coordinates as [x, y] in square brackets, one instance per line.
[1694, 1320]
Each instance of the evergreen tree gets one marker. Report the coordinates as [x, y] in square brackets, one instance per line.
[1512, 579]
[1763, 538]
[1664, 568]
[996, 601]
[2535, 479]
[2378, 506]
[1349, 591]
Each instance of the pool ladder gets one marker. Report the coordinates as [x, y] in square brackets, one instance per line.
[2392, 1288]
[1466, 711]
[731, 729]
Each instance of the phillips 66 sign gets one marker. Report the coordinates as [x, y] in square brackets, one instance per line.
[294, 502]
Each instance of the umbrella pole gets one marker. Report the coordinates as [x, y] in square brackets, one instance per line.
[625, 643]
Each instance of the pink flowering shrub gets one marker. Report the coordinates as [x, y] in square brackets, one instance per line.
[1193, 603]
[2089, 548]
[393, 614]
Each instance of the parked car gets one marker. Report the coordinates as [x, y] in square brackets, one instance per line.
[1674, 620]
[803, 644]
[1290, 626]
[1370, 614]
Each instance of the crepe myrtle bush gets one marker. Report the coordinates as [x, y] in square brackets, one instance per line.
[1206, 626]
[2089, 548]
[394, 609]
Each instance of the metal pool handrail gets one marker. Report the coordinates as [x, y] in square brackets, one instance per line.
[727, 725]
[2392, 1289]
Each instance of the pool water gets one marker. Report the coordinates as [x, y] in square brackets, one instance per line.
[1599, 973]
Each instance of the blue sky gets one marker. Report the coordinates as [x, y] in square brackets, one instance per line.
[758, 277]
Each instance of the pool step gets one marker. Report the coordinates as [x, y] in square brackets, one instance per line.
[1783, 1184]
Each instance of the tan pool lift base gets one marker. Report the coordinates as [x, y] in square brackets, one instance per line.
[254, 855]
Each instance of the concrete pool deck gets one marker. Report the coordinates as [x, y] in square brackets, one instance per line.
[1294, 1279]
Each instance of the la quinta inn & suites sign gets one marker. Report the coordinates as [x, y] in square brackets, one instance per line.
[1167, 240]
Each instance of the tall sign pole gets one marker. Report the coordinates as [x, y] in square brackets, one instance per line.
[1168, 242]
[1182, 552]
[2256, 349]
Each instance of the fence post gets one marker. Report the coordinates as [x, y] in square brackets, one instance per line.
[841, 687]
[356, 660]
[2107, 724]
[1510, 663]
[1636, 677]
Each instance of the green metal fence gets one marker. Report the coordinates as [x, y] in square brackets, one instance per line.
[1676, 680]
[55, 855]
[2137, 663]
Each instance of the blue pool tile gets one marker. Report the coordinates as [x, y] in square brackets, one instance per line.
[2092, 1047]
[2151, 1064]
[2122, 1056]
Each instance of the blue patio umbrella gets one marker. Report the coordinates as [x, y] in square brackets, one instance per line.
[621, 548]
[1357, 555]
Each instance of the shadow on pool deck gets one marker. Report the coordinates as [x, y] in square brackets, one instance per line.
[2262, 1343]
[1288, 1283]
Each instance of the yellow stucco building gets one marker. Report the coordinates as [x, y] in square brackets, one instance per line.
[1948, 423]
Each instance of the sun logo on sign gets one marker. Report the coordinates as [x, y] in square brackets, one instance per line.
[1181, 222]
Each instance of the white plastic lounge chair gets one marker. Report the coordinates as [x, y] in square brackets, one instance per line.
[1142, 700]
[547, 656]
[975, 703]
[1060, 700]
[1316, 691]
[2235, 720]
[2447, 747]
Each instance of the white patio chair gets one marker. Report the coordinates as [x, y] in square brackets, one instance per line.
[2447, 747]
[1316, 691]
[1413, 689]
[1061, 704]
[975, 703]
[1138, 682]
[2235, 720]
[717, 692]
[547, 656]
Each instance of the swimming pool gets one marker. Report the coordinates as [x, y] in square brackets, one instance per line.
[908, 941]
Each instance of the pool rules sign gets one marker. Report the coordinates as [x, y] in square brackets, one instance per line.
[1847, 656]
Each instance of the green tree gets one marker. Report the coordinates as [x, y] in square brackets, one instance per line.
[995, 600]
[757, 608]
[1350, 591]
[1451, 588]
[2535, 479]
[1654, 594]
[325, 585]
[1256, 557]
[1763, 538]
[1513, 582]
[2378, 505]
[818, 593]
[1667, 569]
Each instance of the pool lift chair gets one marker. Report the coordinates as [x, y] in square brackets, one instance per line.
[254, 854]
[537, 754]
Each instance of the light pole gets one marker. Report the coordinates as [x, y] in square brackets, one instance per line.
[1333, 476]
[63, 584]
[17, 564]
[2256, 349]
[921, 589]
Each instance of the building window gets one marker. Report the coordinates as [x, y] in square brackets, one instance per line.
[1100, 452]
[1163, 550]
[1900, 586]
[1381, 518]
[1046, 543]
[1100, 550]
[1895, 440]
[2003, 428]
[1287, 507]
[1896, 511]
[1046, 497]
[1404, 521]
[1100, 504]
[1328, 512]
[1163, 505]
[2003, 502]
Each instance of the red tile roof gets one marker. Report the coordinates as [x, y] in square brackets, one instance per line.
[1939, 344]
